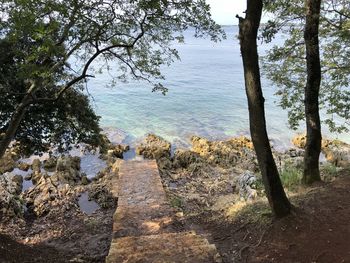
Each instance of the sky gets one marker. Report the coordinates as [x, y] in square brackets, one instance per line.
[224, 11]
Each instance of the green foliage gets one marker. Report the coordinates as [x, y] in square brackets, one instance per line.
[259, 186]
[291, 177]
[92, 224]
[61, 123]
[176, 202]
[135, 34]
[328, 171]
[257, 213]
[285, 65]
[57, 45]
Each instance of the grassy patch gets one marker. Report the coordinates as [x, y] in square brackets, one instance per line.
[259, 186]
[328, 172]
[291, 177]
[91, 224]
[176, 202]
[329, 168]
[256, 212]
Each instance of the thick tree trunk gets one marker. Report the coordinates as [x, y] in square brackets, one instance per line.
[248, 30]
[312, 89]
[15, 121]
[11, 129]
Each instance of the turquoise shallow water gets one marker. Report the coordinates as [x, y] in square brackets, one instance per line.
[206, 97]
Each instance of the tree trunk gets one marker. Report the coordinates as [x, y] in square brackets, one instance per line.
[248, 30]
[15, 121]
[312, 89]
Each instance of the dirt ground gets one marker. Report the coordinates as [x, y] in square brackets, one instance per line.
[317, 231]
[65, 236]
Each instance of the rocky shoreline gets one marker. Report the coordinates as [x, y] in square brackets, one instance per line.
[211, 175]
[63, 209]
[216, 174]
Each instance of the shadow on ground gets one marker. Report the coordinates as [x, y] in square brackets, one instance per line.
[317, 231]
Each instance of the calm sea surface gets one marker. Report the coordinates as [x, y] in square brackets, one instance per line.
[206, 97]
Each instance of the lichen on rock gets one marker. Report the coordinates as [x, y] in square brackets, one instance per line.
[246, 184]
[117, 150]
[47, 195]
[10, 189]
[184, 158]
[50, 164]
[154, 147]
[67, 170]
[299, 141]
[227, 153]
[36, 168]
[7, 162]
[335, 151]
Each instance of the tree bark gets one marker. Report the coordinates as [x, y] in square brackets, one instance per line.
[248, 30]
[312, 89]
[15, 121]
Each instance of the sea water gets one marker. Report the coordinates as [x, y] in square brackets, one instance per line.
[206, 97]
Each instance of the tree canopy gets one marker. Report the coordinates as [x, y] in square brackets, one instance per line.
[61, 44]
[59, 123]
[285, 65]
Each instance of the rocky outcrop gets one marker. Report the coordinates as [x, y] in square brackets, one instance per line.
[104, 144]
[165, 165]
[225, 153]
[84, 179]
[112, 152]
[50, 164]
[23, 166]
[209, 170]
[184, 158]
[335, 151]
[154, 147]
[118, 150]
[102, 196]
[290, 158]
[36, 165]
[10, 188]
[47, 195]
[36, 174]
[247, 186]
[300, 141]
[8, 162]
[67, 170]
[58, 191]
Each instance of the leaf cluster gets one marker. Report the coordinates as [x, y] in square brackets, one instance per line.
[57, 45]
[59, 123]
[285, 64]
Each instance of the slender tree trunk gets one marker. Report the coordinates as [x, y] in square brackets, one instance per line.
[248, 30]
[312, 89]
[15, 121]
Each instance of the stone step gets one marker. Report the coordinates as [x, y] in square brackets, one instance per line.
[141, 179]
[142, 204]
[144, 229]
[185, 238]
[138, 221]
[169, 247]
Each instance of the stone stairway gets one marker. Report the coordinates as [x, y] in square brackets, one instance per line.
[143, 229]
